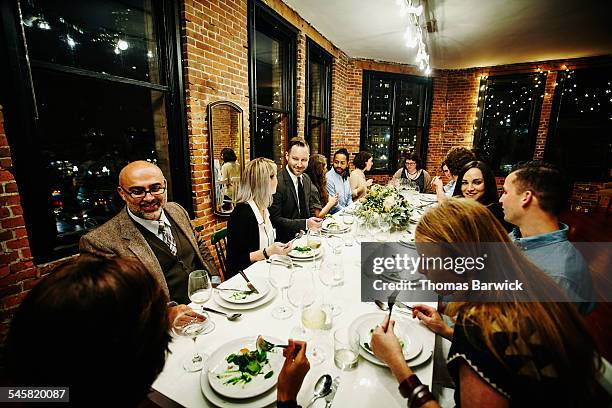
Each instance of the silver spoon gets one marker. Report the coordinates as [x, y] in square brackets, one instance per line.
[383, 306]
[322, 388]
[230, 317]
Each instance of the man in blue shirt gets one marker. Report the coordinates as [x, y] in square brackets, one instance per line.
[337, 180]
[534, 194]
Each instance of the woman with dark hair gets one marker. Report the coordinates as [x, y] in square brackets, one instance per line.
[359, 185]
[98, 326]
[456, 158]
[413, 170]
[317, 167]
[476, 181]
[230, 177]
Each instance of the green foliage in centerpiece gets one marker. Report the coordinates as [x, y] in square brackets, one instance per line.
[386, 202]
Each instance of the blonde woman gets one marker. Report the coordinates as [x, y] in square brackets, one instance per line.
[250, 235]
[505, 352]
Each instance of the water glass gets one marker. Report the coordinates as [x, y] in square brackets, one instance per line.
[384, 227]
[346, 349]
[335, 244]
[331, 275]
[189, 326]
[349, 221]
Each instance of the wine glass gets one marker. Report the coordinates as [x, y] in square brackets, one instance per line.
[316, 317]
[301, 294]
[187, 325]
[314, 240]
[384, 226]
[335, 244]
[281, 277]
[331, 275]
[199, 287]
[348, 220]
[361, 228]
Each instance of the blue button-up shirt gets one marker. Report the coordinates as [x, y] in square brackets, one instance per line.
[554, 254]
[337, 184]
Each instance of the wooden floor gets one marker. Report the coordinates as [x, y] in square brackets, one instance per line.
[595, 227]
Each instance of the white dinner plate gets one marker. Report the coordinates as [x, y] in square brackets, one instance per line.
[263, 400]
[262, 285]
[217, 366]
[333, 226]
[414, 330]
[430, 198]
[304, 256]
[412, 344]
[245, 306]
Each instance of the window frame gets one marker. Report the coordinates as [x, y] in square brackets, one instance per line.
[23, 127]
[534, 114]
[272, 24]
[422, 144]
[315, 51]
[552, 138]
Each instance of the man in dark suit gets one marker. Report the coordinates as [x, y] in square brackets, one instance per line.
[157, 232]
[295, 194]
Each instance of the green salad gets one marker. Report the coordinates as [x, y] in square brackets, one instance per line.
[245, 366]
[302, 249]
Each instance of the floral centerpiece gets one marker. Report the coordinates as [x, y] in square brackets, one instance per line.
[386, 202]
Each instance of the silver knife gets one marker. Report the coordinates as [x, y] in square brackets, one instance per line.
[249, 284]
[330, 397]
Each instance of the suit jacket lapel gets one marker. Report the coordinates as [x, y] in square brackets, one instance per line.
[140, 248]
[291, 187]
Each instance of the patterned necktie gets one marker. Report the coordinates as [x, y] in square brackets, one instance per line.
[167, 237]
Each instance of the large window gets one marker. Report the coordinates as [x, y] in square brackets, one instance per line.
[272, 81]
[507, 125]
[580, 131]
[99, 89]
[395, 116]
[318, 110]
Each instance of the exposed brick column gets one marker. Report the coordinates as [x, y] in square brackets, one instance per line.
[549, 92]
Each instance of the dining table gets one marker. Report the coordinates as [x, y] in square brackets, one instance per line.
[366, 385]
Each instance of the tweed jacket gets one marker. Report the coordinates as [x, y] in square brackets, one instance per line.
[120, 237]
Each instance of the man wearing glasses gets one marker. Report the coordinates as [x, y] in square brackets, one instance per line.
[157, 232]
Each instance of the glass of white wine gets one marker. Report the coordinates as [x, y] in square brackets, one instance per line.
[188, 325]
[199, 287]
[314, 241]
[349, 221]
[316, 318]
[281, 277]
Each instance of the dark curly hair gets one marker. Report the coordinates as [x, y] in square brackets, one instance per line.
[490, 195]
[361, 159]
[317, 167]
[546, 181]
[108, 313]
[228, 155]
[457, 157]
[414, 157]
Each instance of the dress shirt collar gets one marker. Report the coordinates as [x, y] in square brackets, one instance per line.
[294, 178]
[150, 225]
[536, 241]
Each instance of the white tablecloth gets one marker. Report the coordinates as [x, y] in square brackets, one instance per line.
[368, 385]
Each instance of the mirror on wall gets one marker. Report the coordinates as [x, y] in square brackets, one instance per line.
[226, 154]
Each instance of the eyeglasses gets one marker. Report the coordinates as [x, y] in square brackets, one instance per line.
[409, 163]
[139, 192]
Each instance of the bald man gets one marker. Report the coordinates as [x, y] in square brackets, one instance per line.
[157, 232]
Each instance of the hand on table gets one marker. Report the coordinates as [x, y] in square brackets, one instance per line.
[432, 319]
[294, 370]
[278, 248]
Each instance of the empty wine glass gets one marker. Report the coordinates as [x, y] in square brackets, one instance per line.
[334, 243]
[199, 287]
[281, 277]
[187, 325]
[349, 221]
[331, 275]
[384, 226]
[301, 294]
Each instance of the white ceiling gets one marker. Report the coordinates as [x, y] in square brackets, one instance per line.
[471, 33]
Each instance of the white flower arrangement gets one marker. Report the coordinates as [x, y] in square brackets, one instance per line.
[385, 202]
